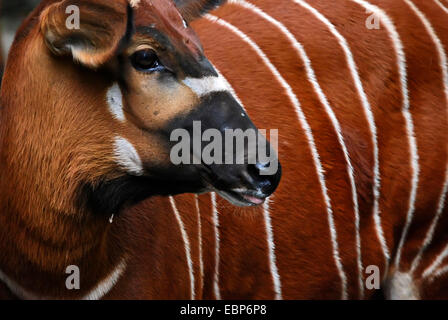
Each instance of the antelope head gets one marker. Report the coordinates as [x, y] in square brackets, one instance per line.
[100, 102]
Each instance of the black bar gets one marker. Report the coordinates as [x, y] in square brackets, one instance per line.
[228, 309]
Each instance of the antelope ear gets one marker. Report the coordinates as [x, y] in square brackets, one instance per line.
[90, 31]
[193, 9]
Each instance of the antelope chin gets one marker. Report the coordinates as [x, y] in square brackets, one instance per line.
[242, 198]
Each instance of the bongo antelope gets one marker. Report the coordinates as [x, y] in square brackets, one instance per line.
[362, 119]
[90, 137]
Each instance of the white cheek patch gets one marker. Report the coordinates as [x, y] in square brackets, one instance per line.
[115, 102]
[127, 156]
[206, 85]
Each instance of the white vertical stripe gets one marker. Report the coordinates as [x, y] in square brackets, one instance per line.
[441, 6]
[323, 99]
[267, 218]
[186, 246]
[271, 247]
[204, 86]
[201, 259]
[401, 57]
[443, 66]
[370, 119]
[216, 288]
[304, 123]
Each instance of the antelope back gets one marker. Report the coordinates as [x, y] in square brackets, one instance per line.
[358, 91]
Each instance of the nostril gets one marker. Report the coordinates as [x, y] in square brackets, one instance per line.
[256, 172]
[258, 169]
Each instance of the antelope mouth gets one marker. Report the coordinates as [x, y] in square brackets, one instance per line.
[243, 198]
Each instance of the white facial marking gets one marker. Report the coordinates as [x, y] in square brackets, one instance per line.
[127, 157]
[115, 102]
[206, 85]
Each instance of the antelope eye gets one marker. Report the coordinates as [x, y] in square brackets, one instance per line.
[146, 60]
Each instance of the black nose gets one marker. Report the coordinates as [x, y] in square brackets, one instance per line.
[263, 179]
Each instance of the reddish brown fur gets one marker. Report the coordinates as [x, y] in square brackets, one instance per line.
[303, 250]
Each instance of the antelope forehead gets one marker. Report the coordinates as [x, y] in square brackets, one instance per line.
[164, 17]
